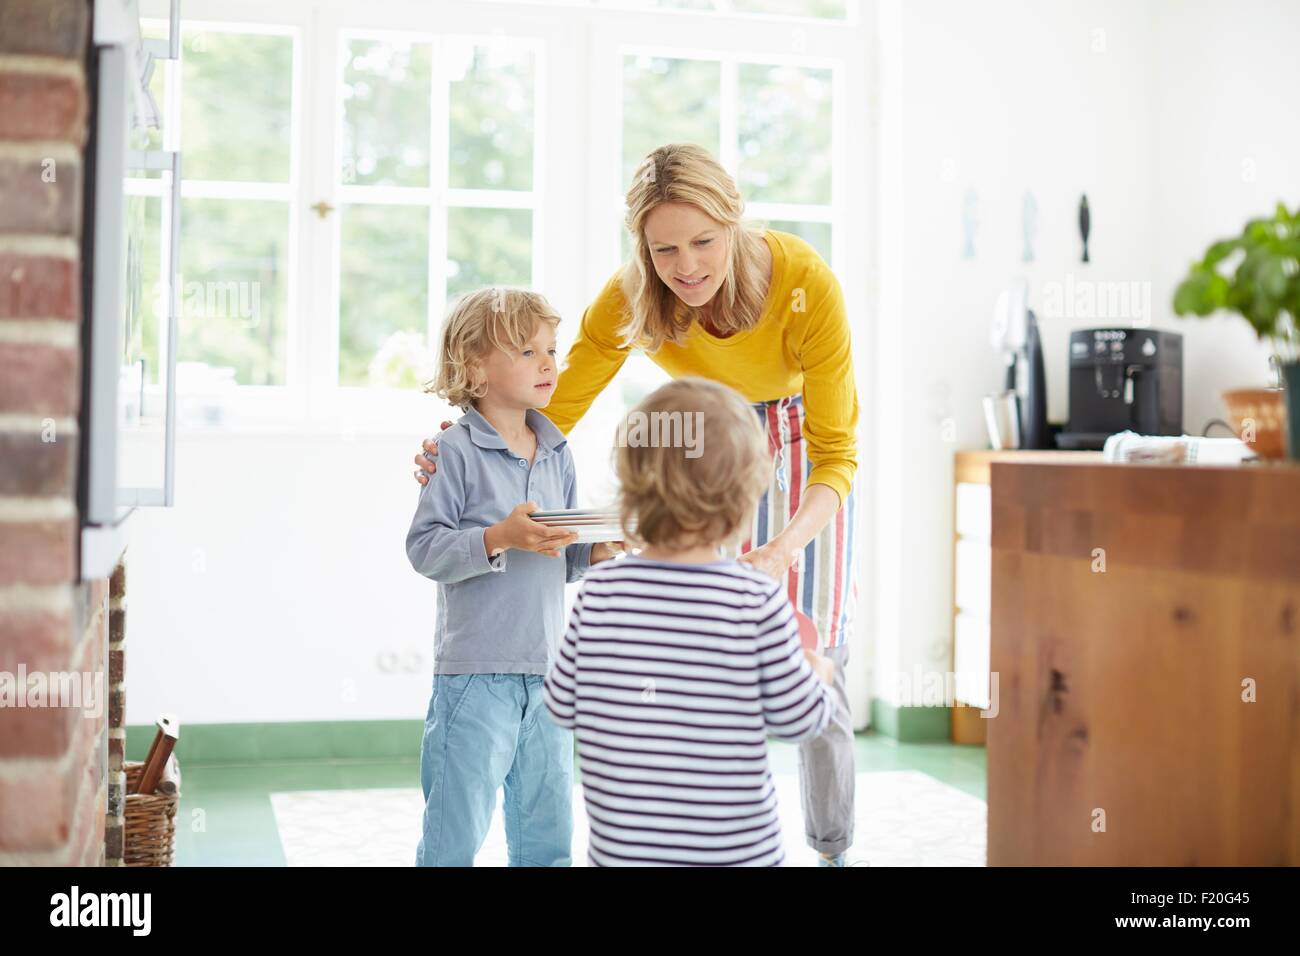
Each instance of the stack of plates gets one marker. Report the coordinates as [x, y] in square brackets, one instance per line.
[591, 524]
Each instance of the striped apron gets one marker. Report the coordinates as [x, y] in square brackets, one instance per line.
[821, 584]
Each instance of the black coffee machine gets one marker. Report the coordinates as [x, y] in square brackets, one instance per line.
[1123, 380]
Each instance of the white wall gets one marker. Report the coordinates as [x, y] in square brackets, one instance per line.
[1112, 99]
[278, 587]
[1225, 149]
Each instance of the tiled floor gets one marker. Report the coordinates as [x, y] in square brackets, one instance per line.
[228, 813]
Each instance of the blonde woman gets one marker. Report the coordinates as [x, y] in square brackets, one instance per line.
[708, 294]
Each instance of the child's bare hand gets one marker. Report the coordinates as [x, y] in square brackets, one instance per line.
[605, 550]
[524, 534]
[823, 667]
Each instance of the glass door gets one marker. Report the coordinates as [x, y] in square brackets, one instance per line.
[146, 378]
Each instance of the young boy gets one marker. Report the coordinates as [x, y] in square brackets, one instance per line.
[676, 664]
[501, 580]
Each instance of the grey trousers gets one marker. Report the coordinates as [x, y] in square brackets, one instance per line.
[826, 772]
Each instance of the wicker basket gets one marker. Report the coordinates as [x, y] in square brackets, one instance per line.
[150, 831]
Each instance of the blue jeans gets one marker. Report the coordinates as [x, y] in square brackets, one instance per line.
[485, 731]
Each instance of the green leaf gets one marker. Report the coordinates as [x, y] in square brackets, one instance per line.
[1272, 277]
[1264, 285]
[1192, 294]
[1220, 251]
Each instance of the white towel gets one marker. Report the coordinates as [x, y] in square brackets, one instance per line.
[1180, 450]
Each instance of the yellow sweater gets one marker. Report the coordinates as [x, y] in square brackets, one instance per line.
[801, 343]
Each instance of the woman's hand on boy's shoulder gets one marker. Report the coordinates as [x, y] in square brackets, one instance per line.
[427, 465]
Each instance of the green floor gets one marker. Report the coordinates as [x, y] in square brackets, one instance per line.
[225, 817]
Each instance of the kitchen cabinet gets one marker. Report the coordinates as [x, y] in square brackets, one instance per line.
[972, 564]
[1145, 627]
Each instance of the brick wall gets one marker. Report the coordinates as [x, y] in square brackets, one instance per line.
[53, 778]
[114, 825]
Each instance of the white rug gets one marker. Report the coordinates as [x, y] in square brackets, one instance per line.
[904, 818]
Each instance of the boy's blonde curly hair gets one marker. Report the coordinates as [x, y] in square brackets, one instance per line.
[497, 317]
[669, 498]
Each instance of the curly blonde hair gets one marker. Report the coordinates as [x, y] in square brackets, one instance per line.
[493, 318]
[670, 498]
[686, 173]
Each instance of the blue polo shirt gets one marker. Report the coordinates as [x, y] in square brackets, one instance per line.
[502, 615]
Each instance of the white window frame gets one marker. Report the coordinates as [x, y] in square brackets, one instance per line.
[439, 198]
[272, 398]
[577, 162]
[729, 126]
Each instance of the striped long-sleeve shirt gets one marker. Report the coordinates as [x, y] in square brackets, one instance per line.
[672, 676]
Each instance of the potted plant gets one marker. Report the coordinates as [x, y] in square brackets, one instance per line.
[1257, 275]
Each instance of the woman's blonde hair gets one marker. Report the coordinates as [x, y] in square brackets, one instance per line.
[702, 494]
[479, 321]
[686, 173]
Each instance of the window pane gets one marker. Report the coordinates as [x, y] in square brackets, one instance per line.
[822, 9]
[386, 92]
[668, 101]
[816, 234]
[488, 247]
[144, 137]
[234, 293]
[826, 9]
[638, 377]
[383, 293]
[236, 107]
[784, 127]
[146, 307]
[491, 115]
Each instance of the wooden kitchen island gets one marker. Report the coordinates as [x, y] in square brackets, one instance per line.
[1136, 609]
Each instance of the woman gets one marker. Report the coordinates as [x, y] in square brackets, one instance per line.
[758, 310]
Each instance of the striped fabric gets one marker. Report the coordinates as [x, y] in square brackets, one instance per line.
[671, 677]
[821, 585]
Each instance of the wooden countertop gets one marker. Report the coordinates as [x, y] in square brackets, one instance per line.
[972, 465]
